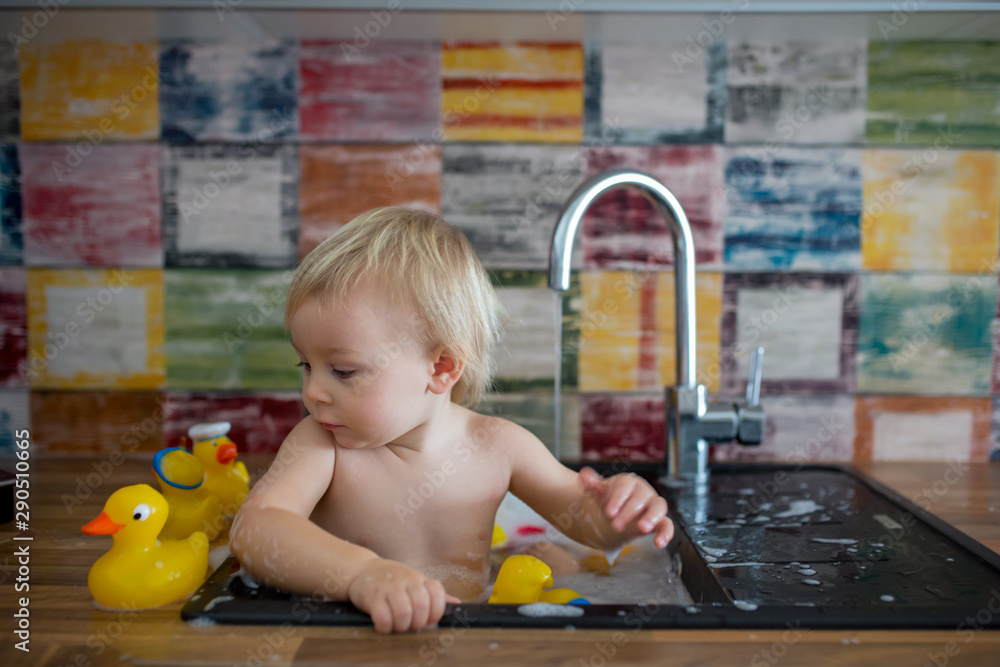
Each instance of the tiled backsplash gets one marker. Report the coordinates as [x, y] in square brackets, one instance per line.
[844, 199]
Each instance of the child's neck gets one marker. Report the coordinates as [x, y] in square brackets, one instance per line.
[441, 429]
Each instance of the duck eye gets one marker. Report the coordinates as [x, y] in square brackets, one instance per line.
[141, 512]
[215, 443]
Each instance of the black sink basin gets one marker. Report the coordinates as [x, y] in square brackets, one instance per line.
[764, 547]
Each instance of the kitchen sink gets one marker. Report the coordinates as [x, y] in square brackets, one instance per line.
[767, 546]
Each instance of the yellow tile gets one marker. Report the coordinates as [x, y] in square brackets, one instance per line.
[536, 61]
[93, 90]
[91, 328]
[612, 336]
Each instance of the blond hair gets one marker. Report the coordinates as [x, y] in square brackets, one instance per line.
[416, 257]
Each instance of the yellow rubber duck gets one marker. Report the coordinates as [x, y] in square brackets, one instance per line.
[192, 507]
[499, 537]
[141, 571]
[225, 477]
[562, 596]
[520, 580]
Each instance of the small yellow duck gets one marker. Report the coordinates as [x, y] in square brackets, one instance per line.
[192, 507]
[225, 477]
[141, 571]
[520, 580]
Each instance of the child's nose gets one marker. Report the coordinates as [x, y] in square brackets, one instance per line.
[313, 391]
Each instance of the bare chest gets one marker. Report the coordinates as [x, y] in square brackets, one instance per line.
[423, 512]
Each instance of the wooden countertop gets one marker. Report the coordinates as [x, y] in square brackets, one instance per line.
[66, 629]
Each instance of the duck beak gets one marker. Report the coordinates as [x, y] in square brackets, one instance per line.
[102, 525]
[226, 452]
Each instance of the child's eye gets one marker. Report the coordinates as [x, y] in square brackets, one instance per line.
[343, 375]
[304, 365]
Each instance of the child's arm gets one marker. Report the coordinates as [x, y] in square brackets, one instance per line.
[274, 539]
[599, 512]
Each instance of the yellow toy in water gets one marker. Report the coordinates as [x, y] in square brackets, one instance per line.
[141, 571]
[520, 580]
[225, 477]
[499, 537]
[192, 507]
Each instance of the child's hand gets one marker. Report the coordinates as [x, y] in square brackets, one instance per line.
[631, 503]
[397, 596]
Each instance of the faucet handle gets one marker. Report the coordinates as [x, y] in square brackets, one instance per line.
[750, 417]
[754, 375]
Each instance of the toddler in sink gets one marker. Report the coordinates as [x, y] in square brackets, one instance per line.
[385, 495]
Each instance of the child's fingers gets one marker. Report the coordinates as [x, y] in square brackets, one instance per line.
[451, 599]
[621, 489]
[381, 616]
[438, 598]
[656, 509]
[629, 514]
[401, 608]
[420, 602]
[664, 533]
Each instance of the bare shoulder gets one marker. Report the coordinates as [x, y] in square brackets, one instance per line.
[499, 432]
[301, 471]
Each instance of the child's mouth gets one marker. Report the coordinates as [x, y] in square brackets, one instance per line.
[330, 427]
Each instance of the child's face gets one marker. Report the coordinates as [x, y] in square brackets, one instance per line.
[364, 373]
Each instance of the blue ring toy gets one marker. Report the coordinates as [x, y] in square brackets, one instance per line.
[158, 457]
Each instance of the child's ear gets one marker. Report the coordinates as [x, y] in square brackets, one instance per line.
[447, 370]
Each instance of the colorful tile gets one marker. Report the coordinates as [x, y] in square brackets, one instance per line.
[92, 90]
[797, 92]
[792, 209]
[931, 210]
[341, 182]
[807, 324]
[14, 417]
[655, 93]
[622, 230]
[13, 327]
[627, 331]
[926, 334]
[933, 92]
[11, 224]
[932, 428]
[390, 91]
[104, 211]
[10, 96]
[95, 328]
[506, 198]
[98, 422]
[535, 411]
[799, 429]
[512, 92]
[226, 207]
[526, 356]
[622, 427]
[260, 421]
[225, 330]
[228, 91]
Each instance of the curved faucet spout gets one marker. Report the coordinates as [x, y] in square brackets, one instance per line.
[569, 221]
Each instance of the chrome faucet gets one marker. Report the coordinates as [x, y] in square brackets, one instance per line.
[692, 422]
